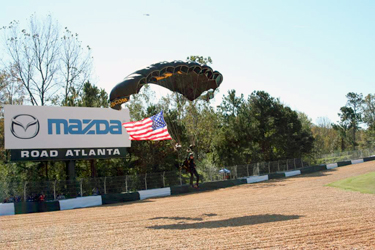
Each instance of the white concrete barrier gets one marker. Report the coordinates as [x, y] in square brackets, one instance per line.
[357, 161]
[88, 201]
[332, 165]
[292, 173]
[253, 179]
[7, 209]
[158, 192]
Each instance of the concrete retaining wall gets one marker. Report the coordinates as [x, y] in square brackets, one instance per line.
[7, 209]
[158, 192]
[87, 201]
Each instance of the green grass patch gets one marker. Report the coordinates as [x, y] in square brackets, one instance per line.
[361, 183]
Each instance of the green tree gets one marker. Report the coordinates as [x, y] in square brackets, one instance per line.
[305, 121]
[11, 92]
[342, 129]
[349, 119]
[326, 138]
[93, 97]
[352, 113]
[201, 122]
[90, 96]
[259, 129]
[11, 89]
[228, 142]
[289, 129]
[200, 59]
[230, 105]
[264, 109]
[368, 110]
[138, 103]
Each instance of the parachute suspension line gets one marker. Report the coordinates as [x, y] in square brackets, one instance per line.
[173, 130]
[172, 123]
[164, 104]
[178, 117]
[192, 109]
[194, 118]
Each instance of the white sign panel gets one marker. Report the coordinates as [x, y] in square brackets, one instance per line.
[41, 127]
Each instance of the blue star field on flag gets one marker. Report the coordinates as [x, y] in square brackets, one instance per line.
[158, 121]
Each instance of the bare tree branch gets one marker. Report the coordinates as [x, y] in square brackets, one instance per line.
[47, 64]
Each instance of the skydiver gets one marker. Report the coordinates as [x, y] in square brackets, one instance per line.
[193, 171]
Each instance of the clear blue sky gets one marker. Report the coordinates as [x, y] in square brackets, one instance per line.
[310, 54]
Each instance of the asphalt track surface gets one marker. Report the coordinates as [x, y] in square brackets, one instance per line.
[294, 213]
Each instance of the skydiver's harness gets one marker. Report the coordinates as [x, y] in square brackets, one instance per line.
[187, 162]
[186, 165]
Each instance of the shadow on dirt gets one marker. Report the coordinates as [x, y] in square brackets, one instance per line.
[321, 173]
[184, 218]
[269, 183]
[177, 218]
[233, 222]
[124, 203]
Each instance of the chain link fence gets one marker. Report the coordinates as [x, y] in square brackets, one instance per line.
[55, 190]
[345, 156]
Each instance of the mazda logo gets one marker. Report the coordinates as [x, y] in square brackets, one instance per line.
[24, 126]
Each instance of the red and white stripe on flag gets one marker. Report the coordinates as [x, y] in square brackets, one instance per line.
[142, 130]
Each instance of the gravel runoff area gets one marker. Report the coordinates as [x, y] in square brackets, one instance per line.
[294, 213]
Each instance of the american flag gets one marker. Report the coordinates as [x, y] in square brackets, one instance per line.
[153, 128]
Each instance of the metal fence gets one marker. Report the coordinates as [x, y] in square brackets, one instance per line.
[345, 156]
[54, 190]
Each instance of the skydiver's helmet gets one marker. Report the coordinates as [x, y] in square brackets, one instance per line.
[191, 154]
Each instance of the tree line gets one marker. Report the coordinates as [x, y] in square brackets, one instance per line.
[354, 130]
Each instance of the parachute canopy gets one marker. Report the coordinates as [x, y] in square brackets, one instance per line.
[190, 79]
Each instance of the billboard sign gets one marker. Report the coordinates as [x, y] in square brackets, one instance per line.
[41, 127]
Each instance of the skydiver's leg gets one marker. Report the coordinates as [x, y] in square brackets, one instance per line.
[191, 177]
[196, 175]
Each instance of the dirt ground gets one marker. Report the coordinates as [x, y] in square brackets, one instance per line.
[295, 213]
